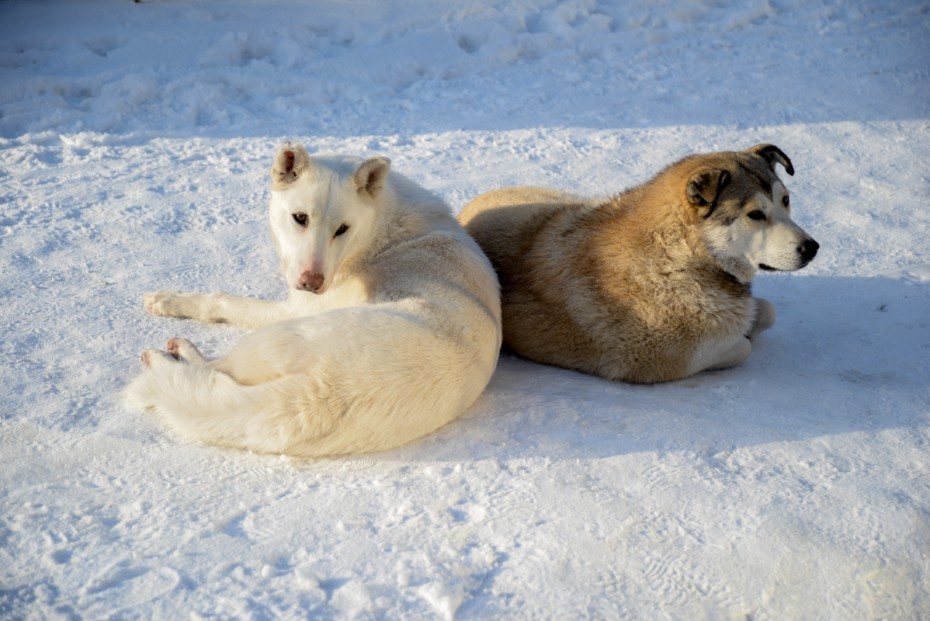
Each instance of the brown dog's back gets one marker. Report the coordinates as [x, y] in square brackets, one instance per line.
[530, 234]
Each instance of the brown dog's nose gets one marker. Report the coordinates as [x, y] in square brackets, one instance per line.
[808, 250]
[310, 281]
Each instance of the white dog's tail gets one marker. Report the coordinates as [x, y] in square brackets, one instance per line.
[202, 404]
[310, 414]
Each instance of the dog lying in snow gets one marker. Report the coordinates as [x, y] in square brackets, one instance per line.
[390, 330]
[653, 284]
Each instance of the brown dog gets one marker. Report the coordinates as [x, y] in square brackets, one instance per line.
[651, 285]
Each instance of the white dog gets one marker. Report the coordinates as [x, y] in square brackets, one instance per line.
[391, 328]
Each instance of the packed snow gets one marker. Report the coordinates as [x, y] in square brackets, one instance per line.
[135, 141]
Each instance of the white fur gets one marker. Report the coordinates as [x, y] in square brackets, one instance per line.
[746, 244]
[401, 336]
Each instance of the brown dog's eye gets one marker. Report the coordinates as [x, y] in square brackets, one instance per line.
[342, 229]
[785, 201]
[301, 219]
[756, 215]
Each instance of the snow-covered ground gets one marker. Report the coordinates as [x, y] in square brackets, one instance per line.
[134, 146]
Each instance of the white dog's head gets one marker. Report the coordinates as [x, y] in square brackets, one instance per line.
[322, 213]
[745, 212]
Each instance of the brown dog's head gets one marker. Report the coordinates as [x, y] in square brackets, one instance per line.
[744, 210]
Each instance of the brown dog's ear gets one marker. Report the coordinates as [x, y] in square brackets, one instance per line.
[370, 176]
[773, 155]
[705, 187]
[291, 161]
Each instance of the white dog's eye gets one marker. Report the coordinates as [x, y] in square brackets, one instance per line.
[785, 201]
[342, 229]
[756, 215]
[301, 219]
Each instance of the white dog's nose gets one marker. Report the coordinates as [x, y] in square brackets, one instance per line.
[311, 281]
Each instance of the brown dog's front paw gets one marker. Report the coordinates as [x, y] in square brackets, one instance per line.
[764, 318]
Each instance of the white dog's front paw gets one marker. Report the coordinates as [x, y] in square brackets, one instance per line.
[168, 304]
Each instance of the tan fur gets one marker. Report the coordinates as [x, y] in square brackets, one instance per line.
[640, 287]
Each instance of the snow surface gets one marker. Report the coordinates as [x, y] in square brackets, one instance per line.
[134, 146]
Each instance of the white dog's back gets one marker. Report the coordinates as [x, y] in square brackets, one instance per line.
[405, 337]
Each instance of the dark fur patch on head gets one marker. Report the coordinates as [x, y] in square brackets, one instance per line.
[762, 179]
[748, 175]
[724, 218]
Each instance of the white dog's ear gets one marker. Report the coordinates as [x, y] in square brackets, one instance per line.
[291, 161]
[704, 188]
[773, 155]
[370, 176]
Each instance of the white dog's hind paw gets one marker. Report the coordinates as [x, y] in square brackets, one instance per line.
[182, 349]
[152, 358]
